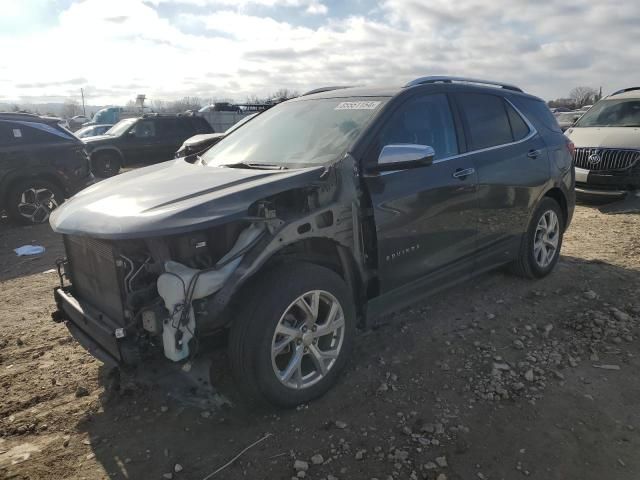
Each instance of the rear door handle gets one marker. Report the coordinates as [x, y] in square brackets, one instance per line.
[533, 154]
[463, 173]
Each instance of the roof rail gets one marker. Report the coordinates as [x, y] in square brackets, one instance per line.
[447, 79]
[324, 89]
[623, 90]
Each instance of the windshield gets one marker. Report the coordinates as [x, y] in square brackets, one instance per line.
[301, 132]
[83, 132]
[568, 117]
[612, 113]
[121, 127]
[239, 124]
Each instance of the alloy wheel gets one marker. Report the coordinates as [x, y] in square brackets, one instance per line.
[547, 236]
[308, 339]
[36, 204]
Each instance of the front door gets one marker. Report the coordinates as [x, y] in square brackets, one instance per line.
[140, 142]
[425, 216]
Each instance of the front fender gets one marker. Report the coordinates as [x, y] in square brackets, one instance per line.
[305, 228]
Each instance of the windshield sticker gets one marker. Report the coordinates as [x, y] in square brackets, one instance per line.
[17, 133]
[357, 106]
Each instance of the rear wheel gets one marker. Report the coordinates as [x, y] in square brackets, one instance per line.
[540, 249]
[294, 335]
[31, 201]
[105, 164]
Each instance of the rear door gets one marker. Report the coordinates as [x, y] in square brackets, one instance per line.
[173, 131]
[513, 167]
[425, 217]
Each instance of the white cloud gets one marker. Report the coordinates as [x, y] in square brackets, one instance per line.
[314, 7]
[224, 51]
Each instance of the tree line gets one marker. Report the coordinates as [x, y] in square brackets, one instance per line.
[578, 98]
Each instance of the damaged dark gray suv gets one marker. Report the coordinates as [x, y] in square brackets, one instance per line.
[319, 215]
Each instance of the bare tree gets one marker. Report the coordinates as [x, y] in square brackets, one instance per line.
[70, 108]
[583, 96]
[284, 94]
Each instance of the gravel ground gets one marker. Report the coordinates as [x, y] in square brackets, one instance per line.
[500, 378]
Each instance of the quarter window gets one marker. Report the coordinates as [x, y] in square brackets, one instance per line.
[423, 121]
[519, 129]
[486, 119]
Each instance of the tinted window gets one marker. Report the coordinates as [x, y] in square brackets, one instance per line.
[171, 127]
[487, 120]
[519, 129]
[423, 121]
[537, 112]
[144, 129]
[21, 133]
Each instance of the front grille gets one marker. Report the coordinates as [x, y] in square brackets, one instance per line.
[600, 159]
[94, 274]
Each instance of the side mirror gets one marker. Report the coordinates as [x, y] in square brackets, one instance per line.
[404, 156]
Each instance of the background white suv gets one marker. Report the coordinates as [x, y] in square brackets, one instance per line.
[607, 140]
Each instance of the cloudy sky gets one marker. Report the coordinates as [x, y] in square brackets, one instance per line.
[169, 49]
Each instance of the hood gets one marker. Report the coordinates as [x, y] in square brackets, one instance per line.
[171, 197]
[202, 138]
[90, 141]
[605, 137]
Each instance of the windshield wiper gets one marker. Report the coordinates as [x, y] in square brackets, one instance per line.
[255, 166]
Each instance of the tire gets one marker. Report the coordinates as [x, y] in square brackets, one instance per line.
[31, 201]
[105, 164]
[528, 263]
[253, 337]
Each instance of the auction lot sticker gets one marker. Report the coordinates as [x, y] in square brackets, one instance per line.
[357, 105]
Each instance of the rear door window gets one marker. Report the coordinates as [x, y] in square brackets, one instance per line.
[424, 120]
[34, 133]
[486, 120]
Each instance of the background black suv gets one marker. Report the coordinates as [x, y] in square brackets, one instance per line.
[41, 163]
[151, 138]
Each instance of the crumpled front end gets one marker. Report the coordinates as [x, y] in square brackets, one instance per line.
[121, 299]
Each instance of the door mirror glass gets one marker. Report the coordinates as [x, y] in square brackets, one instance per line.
[403, 156]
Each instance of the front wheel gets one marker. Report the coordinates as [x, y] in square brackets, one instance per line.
[105, 164]
[540, 249]
[294, 335]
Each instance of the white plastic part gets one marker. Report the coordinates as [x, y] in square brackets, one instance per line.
[172, 287]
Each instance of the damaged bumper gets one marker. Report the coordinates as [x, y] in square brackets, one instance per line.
[92, 329]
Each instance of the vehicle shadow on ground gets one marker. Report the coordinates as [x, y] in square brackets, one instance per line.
[630, 204]
[138, 432]
[13, 236]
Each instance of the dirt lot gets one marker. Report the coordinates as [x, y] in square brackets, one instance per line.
[500, 378]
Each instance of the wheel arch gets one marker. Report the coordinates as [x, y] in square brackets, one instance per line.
[12, 178]
[107, 149]
[558, 195]
[322, 251]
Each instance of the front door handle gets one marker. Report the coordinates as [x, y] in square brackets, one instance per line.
[463, 173]
[533, 154]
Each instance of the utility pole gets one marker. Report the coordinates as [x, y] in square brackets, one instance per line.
[84, 112]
